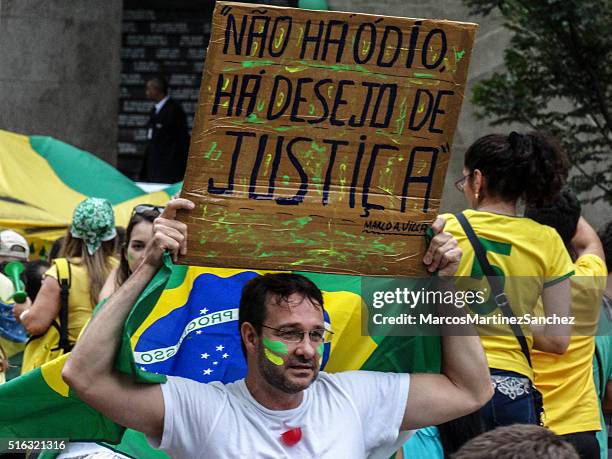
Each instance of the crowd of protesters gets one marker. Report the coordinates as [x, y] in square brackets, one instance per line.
[552, 377]
[89, 258]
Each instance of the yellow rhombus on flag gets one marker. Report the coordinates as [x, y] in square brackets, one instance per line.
[161, 338]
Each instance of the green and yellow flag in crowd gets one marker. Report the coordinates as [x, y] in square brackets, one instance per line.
[185, 323]
[43, 179]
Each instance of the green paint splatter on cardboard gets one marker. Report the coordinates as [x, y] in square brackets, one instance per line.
[399, 123]
[458, 54]
[248, 64]
[212, 148]
[252, 118]
[344, 67]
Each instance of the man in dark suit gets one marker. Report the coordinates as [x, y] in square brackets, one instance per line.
[166, 152]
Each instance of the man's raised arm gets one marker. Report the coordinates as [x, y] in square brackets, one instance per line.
[89, 369]
[464, 384]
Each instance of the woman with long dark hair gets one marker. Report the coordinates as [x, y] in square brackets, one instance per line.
[499, 172]
[138, 234]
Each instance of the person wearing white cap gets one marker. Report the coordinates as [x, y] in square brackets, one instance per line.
[13, 247]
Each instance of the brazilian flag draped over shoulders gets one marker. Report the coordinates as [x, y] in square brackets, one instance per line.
[185, 323]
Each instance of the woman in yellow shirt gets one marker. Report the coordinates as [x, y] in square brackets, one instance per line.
[499, 171]
[88, 248]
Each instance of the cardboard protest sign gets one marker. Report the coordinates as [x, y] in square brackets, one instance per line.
[321, 139]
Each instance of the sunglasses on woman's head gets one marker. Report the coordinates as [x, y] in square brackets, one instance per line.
[144, 208]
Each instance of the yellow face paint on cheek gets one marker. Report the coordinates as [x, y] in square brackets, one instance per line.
[271, 348]
[275, 359]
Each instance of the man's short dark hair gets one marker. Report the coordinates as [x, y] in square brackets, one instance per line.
[518, 441]
[160, 82]
[606, 240]
[281, 285]
[562, 214]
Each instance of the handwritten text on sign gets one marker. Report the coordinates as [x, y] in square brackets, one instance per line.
[322, 139]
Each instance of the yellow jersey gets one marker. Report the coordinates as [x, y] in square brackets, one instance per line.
[79, 304]
[566, 381]
[517, 247]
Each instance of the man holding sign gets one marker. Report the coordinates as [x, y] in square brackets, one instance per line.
[321, 143]
[284, 407]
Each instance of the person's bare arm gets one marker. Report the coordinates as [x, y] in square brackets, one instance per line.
[586, 241]
[463, 387]
[37, 317]
[554, 337]
[557, 298]
[89, 369]
[464, 384]
[110, 285]
[20, 308]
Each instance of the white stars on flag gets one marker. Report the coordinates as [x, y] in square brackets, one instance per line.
[203, 311]
[207, 372]
[220, 347]
[205, 355]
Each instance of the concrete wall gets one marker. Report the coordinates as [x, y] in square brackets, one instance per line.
[59, 71]
[487, 57]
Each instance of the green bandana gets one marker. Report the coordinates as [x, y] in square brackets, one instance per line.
[94, 222]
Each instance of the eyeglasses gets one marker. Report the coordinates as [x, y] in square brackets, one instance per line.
[460, 184]
[143, 208]
[318, 335]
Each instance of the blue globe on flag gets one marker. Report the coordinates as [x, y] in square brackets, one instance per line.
[200, 340]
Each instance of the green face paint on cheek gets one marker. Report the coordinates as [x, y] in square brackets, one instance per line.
[277, 347]
[272, 348]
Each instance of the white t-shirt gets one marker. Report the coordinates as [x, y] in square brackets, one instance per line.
[6, 289]
[354, 414]
[82, 450]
